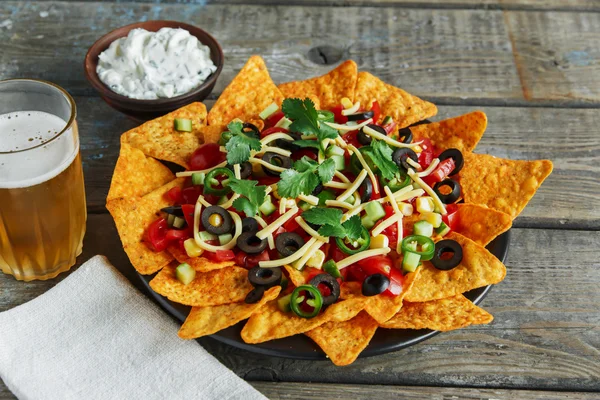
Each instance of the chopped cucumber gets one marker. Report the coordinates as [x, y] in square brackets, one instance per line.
[284, 303]
[443, 229]
[222, 200]
[206, 236]
[170, 219]
[434, 219]
[198, 178]
[283, 123]
[375, 210]
[334, 151]
[423, 228]
[304, 206]
[225, 238]
[387, 120]
[350, 199]
[183, 125]
[270, 110]
[178, 222]
[267, 208]
[340, 162]
[324, 196]
[331, 268]
[185, 273]
[424, 204]
[410, 261]
[415, 186]
[192, 249]
[284, 283]
[367, 221]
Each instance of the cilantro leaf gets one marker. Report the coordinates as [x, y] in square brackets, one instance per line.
[381, 155]
[353, 227]
[240, 144]
[254, 195]
[332, 230]
[294, 183]
[323, 216]
[326, 170]
[307, 143]
[306, 120]
[305, 164]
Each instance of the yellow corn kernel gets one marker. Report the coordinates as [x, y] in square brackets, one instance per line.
[317, 260]
[379, 242]
[434, 219]
[425, 204]
[192, 249]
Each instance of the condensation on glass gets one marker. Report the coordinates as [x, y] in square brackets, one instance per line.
[42, 196]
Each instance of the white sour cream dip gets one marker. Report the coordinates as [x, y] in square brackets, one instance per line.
[152, 65]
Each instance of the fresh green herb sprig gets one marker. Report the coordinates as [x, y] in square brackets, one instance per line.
[302, 178]
[306, 121]
[253, 196]
[331, 225]
[241, 143]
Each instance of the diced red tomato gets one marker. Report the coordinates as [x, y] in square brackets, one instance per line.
[426, 156]
[390, 128]
[177, 234]
[324, 289]
[376, 265]
[270, 131]
[376, 111]
[219, 255]
[392, 231]
[310, 272]
[443, 170]
[396, 283]
[253, 260]
[190, 194]
[174, 195]
[291, 225]
[206, 156]
[353, 273]
[337, 115]
[451, 218]
[188, 214]
[274, 118]
[156, 235]
[296, 155]
[266, 181]
[351, 138]
[335, 253]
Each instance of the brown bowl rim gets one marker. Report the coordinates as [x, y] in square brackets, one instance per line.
[90, 65]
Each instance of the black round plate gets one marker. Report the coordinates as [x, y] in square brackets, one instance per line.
[301, 347]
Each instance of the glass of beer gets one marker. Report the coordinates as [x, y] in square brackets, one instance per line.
[42, 197]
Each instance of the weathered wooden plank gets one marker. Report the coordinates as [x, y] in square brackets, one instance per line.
[546, 333]
[564, 135]
[302, 391]
[556, 54]
[438, 54]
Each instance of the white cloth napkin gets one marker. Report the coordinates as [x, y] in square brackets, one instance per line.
[94, 336]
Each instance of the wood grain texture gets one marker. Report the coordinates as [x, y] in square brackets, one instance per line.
[520, 133]
[442, 55]
[546, 332]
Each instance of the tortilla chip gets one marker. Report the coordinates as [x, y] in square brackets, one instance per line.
[462, 133]
[132, 217]
[325, 91]
[220, 286]
[212, 133]
[481, 224]
[271, 323]
[136, 175]
[203, 321]
[297, 277]
[403, 107]
[478, 268]
[382, 307]
[440, 315]
[250, 92]
[200, 264]
[159, 139]
[344, 341]
[504, 185]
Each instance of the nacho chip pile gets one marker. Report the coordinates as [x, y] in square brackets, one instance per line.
[494, 191]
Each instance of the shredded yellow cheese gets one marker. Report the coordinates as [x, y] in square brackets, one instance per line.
[204, 171]
[209, 247]
[309, 253]
[348, 128]
[429, 191]
[310, 199]
[394, 204]
[263, 224]
[310, 230]
[366, 167]
[265, 232]
[289, 259]
[275, 136]
[351, 110]
[337, 203]
[434, 163]
[266, 164]
[361, 256]
[380, 136]
[354, 187]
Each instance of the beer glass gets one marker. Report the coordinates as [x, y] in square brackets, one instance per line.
[42, 197]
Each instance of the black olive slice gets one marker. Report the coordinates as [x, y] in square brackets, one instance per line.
[277, 160]
[458, 158]
[289, 144]
[265, 277]
[366, 190]
[360, 116]
[405, 135]
[401, 154]
[423, 122]
[245, 169]
[375, 284]
[247, 127]
[450, 197]
[317, 189]
[444, 247]
[331, 283]
[174, 210]
[216, 220]
[250, 244]
[249, 224]
[255, 295]
[287, 243]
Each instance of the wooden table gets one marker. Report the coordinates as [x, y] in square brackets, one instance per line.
[533, 66]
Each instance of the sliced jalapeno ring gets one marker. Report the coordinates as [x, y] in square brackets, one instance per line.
[398, 182]
[306, 293]
[211, 178]
[411, 242]
[364, 241]
[325, 116]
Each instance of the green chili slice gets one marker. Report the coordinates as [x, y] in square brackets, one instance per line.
[411, 243]
[225, 136]
[325, 116]
[331, 268]
[314, 297]
[399, 181]
[210, 182]
[363, 243]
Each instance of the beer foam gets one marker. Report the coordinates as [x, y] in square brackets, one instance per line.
[24, 130]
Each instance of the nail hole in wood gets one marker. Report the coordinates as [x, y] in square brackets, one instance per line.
[325, 55]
